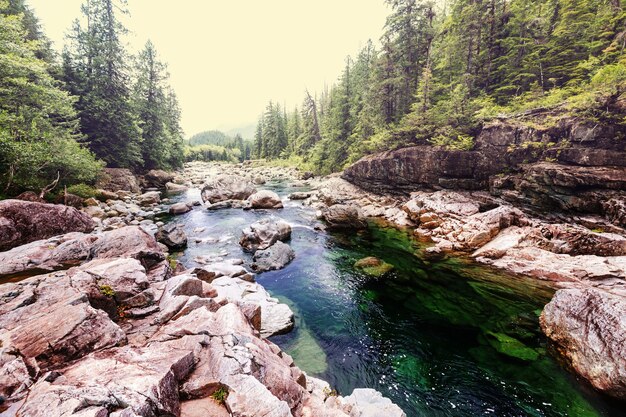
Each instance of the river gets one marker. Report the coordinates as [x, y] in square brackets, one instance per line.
[440, 339]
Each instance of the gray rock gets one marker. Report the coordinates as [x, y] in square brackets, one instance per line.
[341, 216]
[275, 257]
[173, 236]
[264, 233]
[149, 198]
[227, 187]
[157, 178]
[588, 329]
[172, 188]
[265, 199]
[299, 196]
[371, 403]
[179, 208]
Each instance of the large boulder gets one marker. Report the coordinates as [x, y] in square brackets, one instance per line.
[588, 328]
[343, 217]
[173, 188]
[227, 187]
[139, 381]
[118, 179]
[157, 178]
[173, 236]
[275, 257]
[23, 222]
[61, 252]
[276, 318]
[264, 233]
[265, 199]
[367, 402]
[150, 198]
[179, 208]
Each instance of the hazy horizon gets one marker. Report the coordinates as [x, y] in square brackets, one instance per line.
[227, 60]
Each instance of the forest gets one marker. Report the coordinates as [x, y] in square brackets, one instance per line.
[445, 68]
[67, 116]
[442, 70]
[214, 145]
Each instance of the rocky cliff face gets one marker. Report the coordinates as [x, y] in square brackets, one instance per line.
[571, 165]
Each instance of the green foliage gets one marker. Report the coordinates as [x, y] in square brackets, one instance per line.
[444, 71]
[95, 69]
[107, 291]
[157, 107]
[82, 190]
[56, 120]
[220, 395]
[329, 392]
[454, 141]
[38, 123]
[237, 149]
[211, 153]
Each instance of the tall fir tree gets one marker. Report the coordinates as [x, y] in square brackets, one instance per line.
[96, 70]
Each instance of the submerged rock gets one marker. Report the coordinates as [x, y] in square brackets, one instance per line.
[173, 236]
[510, 346]
[275, 257]
[265, 199]
[588, 328]
[23, 222]
[373, 266]
[227, 187]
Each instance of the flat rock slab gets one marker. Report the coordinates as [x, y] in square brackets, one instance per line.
[204, 407]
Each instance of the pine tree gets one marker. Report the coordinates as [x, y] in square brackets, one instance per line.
[157, 110]
[38, 124]
[95, 69]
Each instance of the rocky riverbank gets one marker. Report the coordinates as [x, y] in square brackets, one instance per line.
[204, 328]
[581, 253]
[97, 320]
[542, 195]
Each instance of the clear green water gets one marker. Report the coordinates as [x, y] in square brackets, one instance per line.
[442, 339]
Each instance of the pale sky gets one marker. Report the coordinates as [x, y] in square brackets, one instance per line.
[228, 58]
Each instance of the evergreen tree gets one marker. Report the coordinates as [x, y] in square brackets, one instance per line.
[157, 111]
[38, 124]
[95, 69]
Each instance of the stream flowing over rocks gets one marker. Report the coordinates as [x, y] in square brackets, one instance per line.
[97, 320]
[137, 333]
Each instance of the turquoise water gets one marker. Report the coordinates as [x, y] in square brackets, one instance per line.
[442, 339]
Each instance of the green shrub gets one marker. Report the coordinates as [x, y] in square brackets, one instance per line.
[107, 291]
[220, 394]
[82, 190]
